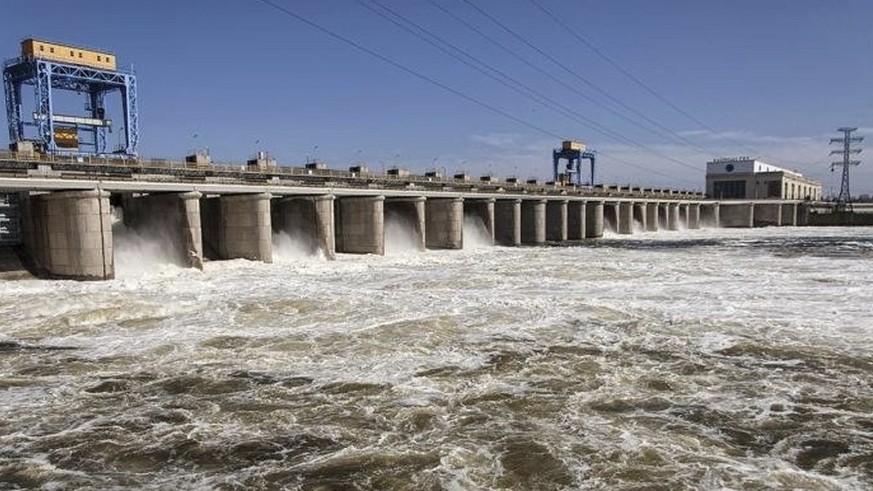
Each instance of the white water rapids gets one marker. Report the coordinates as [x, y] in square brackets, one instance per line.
[708, 359]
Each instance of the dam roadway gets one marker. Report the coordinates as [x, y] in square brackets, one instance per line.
[62, 210]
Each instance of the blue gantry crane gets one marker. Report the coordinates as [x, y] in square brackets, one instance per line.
[50, 67]
[573, 152]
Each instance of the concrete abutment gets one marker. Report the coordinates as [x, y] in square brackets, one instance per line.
[444, 223]
[556, 220]
[68, 234]
[533, 221]
[360, 224]
[507, 222]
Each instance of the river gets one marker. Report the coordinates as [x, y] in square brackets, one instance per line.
[704, 359]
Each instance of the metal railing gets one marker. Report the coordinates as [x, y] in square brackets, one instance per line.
[187, 171]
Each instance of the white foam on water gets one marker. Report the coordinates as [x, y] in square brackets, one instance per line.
[289, 248]
[562, 346]
[476, 235]
[142, 253]
[400, 235]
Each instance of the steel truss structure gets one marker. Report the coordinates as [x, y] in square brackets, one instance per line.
[48, 76]
[574, 164]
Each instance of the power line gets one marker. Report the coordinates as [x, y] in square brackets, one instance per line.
[555, 79]
[597, 51]
[432, 81]
[408, 70]
[579, 77]
[523, 89]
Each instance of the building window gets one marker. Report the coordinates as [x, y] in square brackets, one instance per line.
[98, 58]
[80, 54]
[773, 189]
[729, 189]
[51, 50]
[41, 47]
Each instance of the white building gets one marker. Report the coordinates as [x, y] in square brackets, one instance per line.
[747, 178]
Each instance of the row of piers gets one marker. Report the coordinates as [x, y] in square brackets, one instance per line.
[68, 234]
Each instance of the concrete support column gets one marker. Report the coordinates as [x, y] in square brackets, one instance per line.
[626, 218]
[594, 219]
[709, 215]
[507, 222]
[444, 223]
[533, 221]
[360, 224]
[768, 214]
[309, 220]
[171, 217]
[245, 230]
[736, 214]
[480, 211]
[652, 217]
[673, 216]
[576, 220]
[789, 214]
[68, 234]
[556, 220]
[411, 214]
[641, 215]
[694, 216]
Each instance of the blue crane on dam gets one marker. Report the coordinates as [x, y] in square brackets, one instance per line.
[51, 67]
[573, 152]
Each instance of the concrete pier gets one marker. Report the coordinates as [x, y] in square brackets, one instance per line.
[444, 223]
[594, 219]
[309, 220]
[576, 220]
[768, 214]
[641, 215]
[360, 224]
[481, 211]
[673, 216]
[741, 215]
[68, 234]
[789, 214]
[652, 217]
[556, 220]
[694, 216]
[626, 218]
[173, 218]
[533, 221]
[710, 215]
[507, 222]
[410, 212]
[237, 226]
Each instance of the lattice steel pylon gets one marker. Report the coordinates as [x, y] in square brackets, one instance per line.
[47, 76]
[844, 200]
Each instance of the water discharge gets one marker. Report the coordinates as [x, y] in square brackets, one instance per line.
[400, 235]
[139, 253]
[476, 235]
[287, 247]
[713, 359]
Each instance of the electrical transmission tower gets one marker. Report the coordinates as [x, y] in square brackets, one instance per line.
[844, 200]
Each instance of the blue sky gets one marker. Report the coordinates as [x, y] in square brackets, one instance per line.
[772, 79]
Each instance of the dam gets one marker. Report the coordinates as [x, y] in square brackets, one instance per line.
[59, 210]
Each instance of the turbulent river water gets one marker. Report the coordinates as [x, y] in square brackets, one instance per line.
[706, 359]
